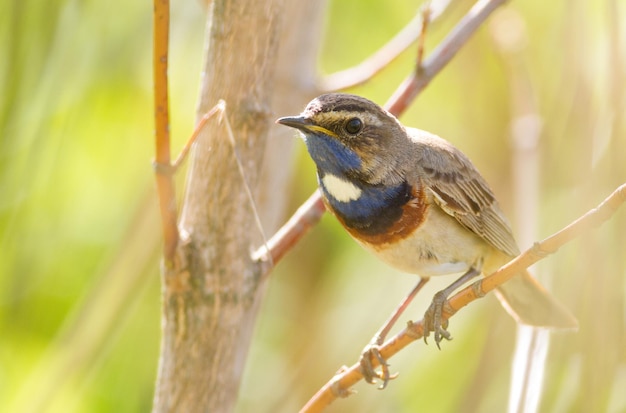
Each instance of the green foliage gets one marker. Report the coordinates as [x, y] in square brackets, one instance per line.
[75, 150]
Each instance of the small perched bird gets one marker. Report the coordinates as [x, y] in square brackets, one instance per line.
[416, 202]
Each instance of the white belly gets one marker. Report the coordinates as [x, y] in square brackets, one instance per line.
[440, 246]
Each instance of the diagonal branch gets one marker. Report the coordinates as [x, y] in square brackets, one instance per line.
[384, 56]
[443, 53]
[305, 217]
[339, 385]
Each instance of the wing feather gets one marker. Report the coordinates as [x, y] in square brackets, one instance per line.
[458, 189]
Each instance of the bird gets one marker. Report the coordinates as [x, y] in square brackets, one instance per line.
[418, 203]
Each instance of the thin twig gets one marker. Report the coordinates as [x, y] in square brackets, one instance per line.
[289, 234]
[164, 168]
[384, 56]
[164, 180]
[199, 127]
[427, 18]
[443, 53]
[343, 381]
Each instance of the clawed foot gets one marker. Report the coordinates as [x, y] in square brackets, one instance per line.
[433, 320]
[370, 352]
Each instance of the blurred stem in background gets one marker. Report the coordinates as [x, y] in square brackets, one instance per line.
[77, 213]
[80, 347]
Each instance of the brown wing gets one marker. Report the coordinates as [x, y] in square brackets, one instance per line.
[459, 189]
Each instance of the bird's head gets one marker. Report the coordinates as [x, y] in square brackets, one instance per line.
[351, 137]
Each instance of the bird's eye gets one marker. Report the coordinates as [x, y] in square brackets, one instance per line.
[354, 126]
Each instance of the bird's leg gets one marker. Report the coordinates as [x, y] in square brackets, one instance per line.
[373, 348]
[433, 316]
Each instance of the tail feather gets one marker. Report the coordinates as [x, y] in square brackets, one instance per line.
[528, 302]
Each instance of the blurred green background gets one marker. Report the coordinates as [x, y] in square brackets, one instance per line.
[79, 280]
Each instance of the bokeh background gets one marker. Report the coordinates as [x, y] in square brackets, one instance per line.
[536, 99]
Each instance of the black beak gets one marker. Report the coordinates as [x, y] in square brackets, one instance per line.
[298, 122]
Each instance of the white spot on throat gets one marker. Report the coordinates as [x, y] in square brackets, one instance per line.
[340, 189]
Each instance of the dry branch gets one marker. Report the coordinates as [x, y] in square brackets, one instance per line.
[442, 54]
[164, 181]
[340, 384]
[305, 217]
[384, 56]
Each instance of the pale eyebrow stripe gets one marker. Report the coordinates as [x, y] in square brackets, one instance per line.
[367, 118]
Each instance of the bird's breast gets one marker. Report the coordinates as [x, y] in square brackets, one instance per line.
[374, 215]
[402, 228]
[438, 245]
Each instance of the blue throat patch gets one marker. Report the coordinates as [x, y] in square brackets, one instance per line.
[377, 208]
[330, 155]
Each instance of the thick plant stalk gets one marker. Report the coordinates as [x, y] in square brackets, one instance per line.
[209, 294]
